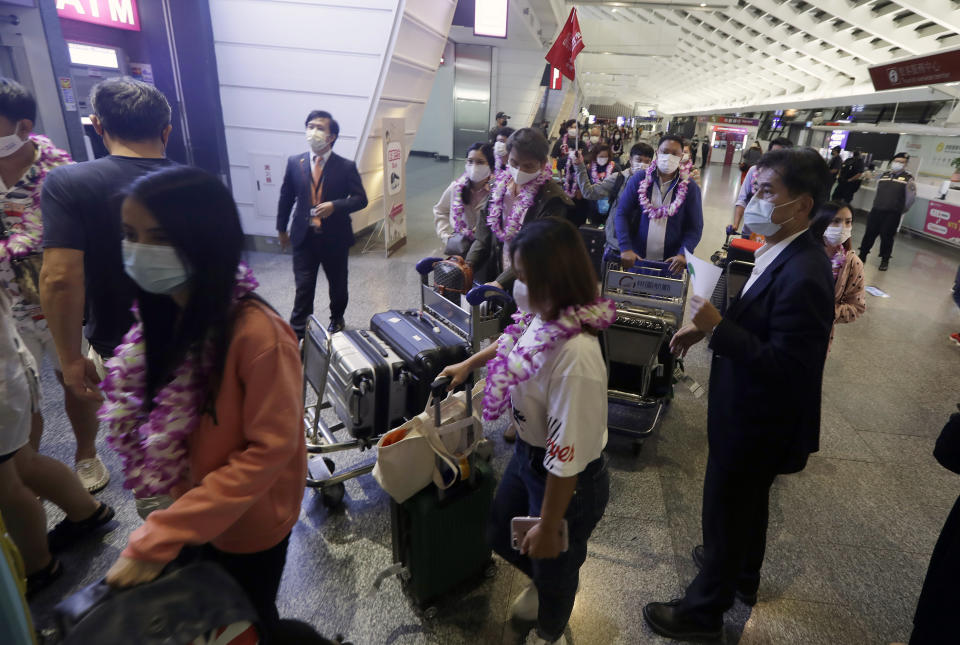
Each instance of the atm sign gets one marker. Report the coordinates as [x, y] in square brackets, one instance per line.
[120, 14]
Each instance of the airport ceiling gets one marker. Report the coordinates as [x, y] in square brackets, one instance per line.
[687, 56]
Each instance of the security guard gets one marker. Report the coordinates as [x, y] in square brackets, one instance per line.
[896, 191]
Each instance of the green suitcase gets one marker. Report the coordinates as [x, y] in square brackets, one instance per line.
[442, 543]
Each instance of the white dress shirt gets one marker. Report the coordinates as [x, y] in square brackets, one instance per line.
[326, 158]
[765, 256]
[657, 228]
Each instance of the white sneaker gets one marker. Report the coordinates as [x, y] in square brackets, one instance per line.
[533, 638]
[93, 474]
[526, 605]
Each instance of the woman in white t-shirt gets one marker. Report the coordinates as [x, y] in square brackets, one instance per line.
[548, 371]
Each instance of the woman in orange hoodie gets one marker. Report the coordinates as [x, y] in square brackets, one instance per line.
[203, 398]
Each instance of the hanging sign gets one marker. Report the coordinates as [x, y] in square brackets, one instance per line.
[120, 14]
[394, 184]
[913, 72]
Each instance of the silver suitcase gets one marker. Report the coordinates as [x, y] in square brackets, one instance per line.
[366, 383]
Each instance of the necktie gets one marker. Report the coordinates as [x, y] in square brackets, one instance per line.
[317, 174]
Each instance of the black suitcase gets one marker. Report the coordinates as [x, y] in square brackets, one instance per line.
[595, 240]
[425, 345]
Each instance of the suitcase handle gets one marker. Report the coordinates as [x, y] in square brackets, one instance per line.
[425, 266]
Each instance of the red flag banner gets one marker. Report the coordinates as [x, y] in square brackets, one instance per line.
[569, 44]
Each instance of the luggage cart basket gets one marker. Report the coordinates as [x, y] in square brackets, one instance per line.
[650, 303]
[477, 319]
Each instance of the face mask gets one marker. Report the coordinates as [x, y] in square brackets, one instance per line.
[667, 163]
[837, 235]
[602, 161]
[896, 166]
[685, 158]
[10, 144]
[594, 139]
[638, 167]
[478, 172]
[572, 132]
[317, 140]
[520, 178]
[156, 269]
[758, 216]
[500, 148]
[521, 296]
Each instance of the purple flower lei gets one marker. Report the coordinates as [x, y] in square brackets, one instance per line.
[665, 210]
[153, 446]
[524, 200]
[838, 260]
[25, 237]
[513, 365]
[456, 207]
[595, 176]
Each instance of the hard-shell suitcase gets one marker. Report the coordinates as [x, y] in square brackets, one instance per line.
[366, 383]
[595, 239]
[442, 543]
[425, 345]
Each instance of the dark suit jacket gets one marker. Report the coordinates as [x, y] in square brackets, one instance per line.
[550, 201]
[767, 370]
[341, 185]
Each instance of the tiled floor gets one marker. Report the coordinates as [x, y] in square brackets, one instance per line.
[849, 537]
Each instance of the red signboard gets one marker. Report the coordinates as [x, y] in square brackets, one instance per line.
[121, 14]
[734, 120]
[556, 79]
[943, 220]
[925, 70]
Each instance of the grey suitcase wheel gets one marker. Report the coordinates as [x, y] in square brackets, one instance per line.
[332, 496]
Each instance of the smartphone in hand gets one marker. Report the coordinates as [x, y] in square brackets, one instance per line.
[520, 526]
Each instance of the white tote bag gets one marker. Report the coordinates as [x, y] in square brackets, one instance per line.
[407, 455]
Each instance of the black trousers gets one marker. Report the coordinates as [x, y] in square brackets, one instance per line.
[936, 609]
[883, 223]
[845, 191]
[734, 518]
[314, 252]
[257, 573]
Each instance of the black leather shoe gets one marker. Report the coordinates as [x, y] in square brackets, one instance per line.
[747, 597]
[665, 619]
[884, 264]
[335, 326]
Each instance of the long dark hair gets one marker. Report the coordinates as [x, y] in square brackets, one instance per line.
[200, 218]
[556, 263]
[486, 149]
[823, 218]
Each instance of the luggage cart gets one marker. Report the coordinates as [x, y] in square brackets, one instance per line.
[650, 303]
[476, 322]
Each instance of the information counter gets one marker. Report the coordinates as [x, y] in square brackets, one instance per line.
[930, 216]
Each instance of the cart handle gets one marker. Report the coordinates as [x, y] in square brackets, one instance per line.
[483, 292]
[425, 266]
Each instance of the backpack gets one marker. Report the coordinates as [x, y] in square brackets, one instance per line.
[452, 278]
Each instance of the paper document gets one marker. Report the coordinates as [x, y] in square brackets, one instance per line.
[703, 275]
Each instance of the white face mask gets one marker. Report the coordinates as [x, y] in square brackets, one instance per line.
[835, 235]
[10, 144]
[520, 178]
[639, 166]
[685, 158]
[156, 269]
[500, 149]
[317, 140]
[594, 139]
[758, 215]
[896, 166]
[478, 172]
[667, 163]
[572, 132]
[602, 161]
[521, 296]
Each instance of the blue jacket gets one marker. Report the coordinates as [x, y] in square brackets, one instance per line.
[683, 229]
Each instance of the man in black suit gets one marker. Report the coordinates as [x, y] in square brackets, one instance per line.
[322, 189]
[765, 386]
